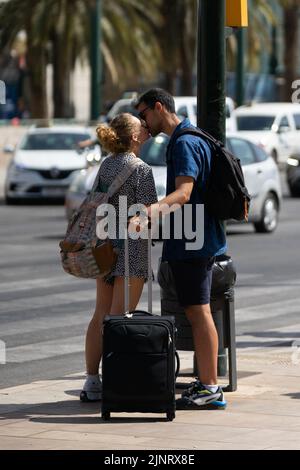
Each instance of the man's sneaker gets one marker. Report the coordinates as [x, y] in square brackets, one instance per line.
[198, 396]
[92, 391]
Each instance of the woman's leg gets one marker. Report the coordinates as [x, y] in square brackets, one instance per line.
[136, 285]
[93, 342]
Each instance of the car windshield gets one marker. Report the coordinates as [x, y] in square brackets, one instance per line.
[52, 141]
[255, 123]
[153, 151]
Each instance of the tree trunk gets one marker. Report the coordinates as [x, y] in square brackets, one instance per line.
[62, 65]
[170, 81]
[186, 52]
[168, 38]
[37, 80]
[186, 88]
[291, 42]
[62, 70]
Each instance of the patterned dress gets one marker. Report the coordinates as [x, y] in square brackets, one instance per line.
[139, 188]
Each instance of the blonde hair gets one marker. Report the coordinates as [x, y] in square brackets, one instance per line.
[116, 138]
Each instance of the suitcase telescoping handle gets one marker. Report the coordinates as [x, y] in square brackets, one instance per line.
[127, 273]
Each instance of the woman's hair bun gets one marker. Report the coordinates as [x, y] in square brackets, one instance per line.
[116, 138]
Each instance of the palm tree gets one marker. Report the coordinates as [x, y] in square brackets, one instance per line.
[19, 16]
[61, 29]
[177, 36]
[128, 45]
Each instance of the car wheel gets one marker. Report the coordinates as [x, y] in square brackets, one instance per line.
[269, 218]
[294, 192]
[11, 201]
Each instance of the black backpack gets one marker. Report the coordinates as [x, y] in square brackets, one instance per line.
[226, 196]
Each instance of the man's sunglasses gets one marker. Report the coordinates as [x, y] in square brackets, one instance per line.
[142, 113]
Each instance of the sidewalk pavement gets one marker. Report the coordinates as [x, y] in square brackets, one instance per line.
[264, 413]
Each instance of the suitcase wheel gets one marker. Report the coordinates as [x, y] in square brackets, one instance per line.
[105, 415]
[170, 415]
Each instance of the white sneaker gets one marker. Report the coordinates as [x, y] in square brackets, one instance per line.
[92, 390]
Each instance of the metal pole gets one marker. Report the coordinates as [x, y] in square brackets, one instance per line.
[211, 67]
[96, 60]
[211, 113]
[240, 67]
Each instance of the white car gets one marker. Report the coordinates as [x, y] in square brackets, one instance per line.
[260, 172]
[44, 163]
[275, 126]
[186, 106]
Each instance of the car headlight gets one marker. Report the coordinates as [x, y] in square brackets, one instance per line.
[78, 183]
[293, 161]
[16, 169]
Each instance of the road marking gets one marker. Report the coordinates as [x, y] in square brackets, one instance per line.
[28, 284]
[268, 310]
[45, 349]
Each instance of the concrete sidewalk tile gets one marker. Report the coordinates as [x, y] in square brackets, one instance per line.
[100, 437]
[257, 421]
[31, 386]
[264, 413]
[22, 443]
[20, 431]
[184, 444]
[269, 437]
[267, 407]
[286, 446]
[67, 445]
[11, 420]
[189, 431]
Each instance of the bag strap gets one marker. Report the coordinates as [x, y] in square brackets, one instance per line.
[120, 178]
[123, 176]
[196, 132]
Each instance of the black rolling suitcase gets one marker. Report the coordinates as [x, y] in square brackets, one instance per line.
[138, 364]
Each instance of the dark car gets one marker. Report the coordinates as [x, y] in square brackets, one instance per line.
[293, 174]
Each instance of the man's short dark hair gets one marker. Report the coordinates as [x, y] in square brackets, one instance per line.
[153, 95]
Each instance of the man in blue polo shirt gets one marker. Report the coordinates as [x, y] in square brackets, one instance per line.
[188, 168]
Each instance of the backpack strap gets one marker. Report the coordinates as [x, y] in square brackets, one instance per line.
[123, 176]
[196, 132]
[120, 178]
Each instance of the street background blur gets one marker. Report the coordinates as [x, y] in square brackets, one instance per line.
[45, 51]
[65, 64]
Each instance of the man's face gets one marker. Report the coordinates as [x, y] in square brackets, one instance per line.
[152, 117]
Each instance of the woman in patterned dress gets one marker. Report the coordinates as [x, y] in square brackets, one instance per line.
[122, 139]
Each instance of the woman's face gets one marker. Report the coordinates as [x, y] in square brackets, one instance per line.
[141, 133]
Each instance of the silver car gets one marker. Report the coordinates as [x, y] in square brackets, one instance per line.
[44, 163]
[260, 172]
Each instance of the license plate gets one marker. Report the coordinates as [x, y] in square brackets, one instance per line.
[53, 192]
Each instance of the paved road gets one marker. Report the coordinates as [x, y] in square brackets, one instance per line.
[44, 312]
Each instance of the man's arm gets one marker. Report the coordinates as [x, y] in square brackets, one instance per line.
[184, 187]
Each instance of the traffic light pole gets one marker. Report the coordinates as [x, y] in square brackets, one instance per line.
[240, 67]
[95, 60]
[211, 112]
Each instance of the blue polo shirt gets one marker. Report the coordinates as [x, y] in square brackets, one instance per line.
[191, 156]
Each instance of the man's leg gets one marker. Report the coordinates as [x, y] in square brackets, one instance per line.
[205, 342]
[193, 285]
[205, 392]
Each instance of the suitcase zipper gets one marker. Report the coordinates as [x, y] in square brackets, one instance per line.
[137, 323]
